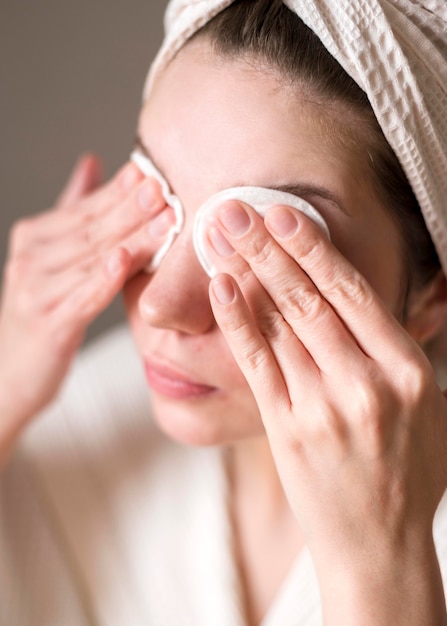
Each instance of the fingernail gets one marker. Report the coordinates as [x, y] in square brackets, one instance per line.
[161, 225]
[128, 177]
[220, 245]
[282, 222]
[147, 195]
[223, 290]
[235, 219]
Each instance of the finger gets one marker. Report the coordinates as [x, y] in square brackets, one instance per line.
[86, 176]
[248, 345]
[100, 199]
[145, 242]
[347, 291]
[59, 285]
[90, 298]
[58, 240]
[141, 243]
[136, 208]
[295, 297]
[298, 368]
[39, 294]
[46, 227]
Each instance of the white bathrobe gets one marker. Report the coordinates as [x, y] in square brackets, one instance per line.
[106, 522]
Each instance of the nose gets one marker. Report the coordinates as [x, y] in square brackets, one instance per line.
[176, 296]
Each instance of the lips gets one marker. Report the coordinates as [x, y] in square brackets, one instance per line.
[169, 382]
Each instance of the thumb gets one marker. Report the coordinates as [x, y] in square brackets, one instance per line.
[85, 177]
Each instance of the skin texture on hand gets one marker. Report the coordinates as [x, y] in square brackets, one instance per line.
[366, 425]
[64, 267]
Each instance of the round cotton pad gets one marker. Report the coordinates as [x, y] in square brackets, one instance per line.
[146, 166]
[261, 199]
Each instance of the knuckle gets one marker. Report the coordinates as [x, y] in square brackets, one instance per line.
[239, 329]
[369, 406]
[372, 413]
[255, 356]
[325, 426]
[310, 248]
[416, 379]
[21, 234]
[330, 425]
[367, 394]
[16, 269]
[355, 290]
[260, 251]
[253, 351]
[272, 324]
[243, 272]
[304, 301]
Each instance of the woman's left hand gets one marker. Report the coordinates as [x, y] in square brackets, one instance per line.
[356, 422]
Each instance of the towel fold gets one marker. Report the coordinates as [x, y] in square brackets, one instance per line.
[396, 50]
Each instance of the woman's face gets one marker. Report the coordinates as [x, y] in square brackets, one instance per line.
[209, 125]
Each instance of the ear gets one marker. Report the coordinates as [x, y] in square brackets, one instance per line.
[427, 310]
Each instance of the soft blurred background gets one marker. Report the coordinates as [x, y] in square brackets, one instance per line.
[71, 75]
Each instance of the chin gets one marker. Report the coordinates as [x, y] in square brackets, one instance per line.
[203, 426]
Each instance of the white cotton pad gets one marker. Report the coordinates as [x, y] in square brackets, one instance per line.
[261, 199]
[146, 166]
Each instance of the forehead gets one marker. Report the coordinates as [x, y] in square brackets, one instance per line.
[212, 123]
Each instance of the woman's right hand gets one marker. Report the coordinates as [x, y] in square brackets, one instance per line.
[64, 267]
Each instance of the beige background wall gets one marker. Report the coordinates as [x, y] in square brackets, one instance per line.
[71, 75]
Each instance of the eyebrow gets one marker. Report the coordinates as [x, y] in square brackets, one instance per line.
[302, 190]
[308, 190]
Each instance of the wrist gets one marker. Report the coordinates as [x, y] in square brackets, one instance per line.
[399, 587]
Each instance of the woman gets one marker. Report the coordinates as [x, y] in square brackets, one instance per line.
[298, 369]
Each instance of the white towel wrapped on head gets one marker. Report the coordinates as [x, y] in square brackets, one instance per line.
[396, 51]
